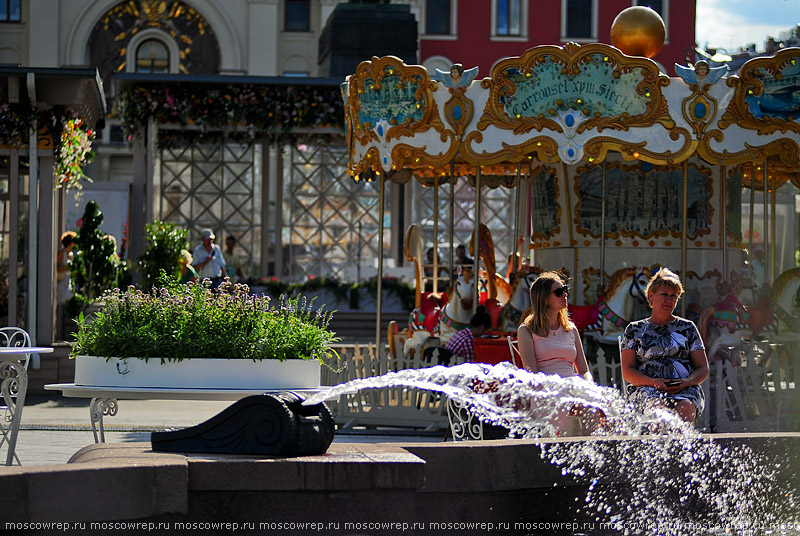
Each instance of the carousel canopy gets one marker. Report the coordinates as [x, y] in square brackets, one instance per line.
[572, 104]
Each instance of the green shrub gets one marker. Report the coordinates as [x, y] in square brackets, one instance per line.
[164, 244]
[95, 266]
[190, 321]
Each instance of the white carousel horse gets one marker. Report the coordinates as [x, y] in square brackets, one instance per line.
[625, 290]
[458, 310]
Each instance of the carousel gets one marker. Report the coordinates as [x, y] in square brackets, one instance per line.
[617, 169]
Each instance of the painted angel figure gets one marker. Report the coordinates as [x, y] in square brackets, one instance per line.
[457, 76]
[700, 73]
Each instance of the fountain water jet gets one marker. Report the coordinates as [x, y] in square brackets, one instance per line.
[675, 480]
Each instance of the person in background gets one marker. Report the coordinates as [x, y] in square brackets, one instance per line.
[208, 258]
[234, 263]
[663, 357]
[188, 273]
[462, 258]
[462, 342]
[63, 290]
[441, 271]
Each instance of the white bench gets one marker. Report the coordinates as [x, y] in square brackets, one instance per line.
[104, 399]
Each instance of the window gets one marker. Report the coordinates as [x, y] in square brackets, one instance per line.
[437, 17]
[579, 19]
[655, 5]
[10, 10]
[152, 56]
[297, 16]
[509, 17]
[659, 6]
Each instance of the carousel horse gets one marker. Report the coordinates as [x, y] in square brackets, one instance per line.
[726, 323]
[784, 295]
[458, 309]
[424, 319]
[520, 302]
[492, 284]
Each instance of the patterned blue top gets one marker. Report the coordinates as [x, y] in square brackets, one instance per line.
[664, 351]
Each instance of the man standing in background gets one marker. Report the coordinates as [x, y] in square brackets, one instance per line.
[209, 260]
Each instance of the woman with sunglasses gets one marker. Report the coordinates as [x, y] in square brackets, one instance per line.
[663, 358]
[548, 340]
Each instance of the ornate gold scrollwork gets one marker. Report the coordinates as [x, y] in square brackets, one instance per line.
[614, 91]
[757, 105]
[753, 76]
[401, 95]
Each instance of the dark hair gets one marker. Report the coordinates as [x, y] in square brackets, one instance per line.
[481, 318]
[68, 238]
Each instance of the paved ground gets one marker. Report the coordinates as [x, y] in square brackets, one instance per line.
[54, 428]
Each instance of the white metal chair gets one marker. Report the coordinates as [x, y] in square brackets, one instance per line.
[624, 384]
[11, 337]
[513, 347]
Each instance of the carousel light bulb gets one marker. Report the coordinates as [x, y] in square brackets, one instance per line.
[636, 154]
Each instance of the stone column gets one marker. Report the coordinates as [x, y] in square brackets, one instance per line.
[263, 26]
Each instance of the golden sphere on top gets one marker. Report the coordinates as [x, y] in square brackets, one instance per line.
[638, 31]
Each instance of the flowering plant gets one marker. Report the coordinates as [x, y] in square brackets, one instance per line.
[72, 138]
[180, 322]
[74, 152]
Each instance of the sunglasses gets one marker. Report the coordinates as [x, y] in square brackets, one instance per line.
[559, 292]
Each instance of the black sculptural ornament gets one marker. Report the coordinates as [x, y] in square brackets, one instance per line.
[271, 424]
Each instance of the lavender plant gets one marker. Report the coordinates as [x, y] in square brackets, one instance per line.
[190, 321]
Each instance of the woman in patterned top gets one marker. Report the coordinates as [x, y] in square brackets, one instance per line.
[663, 358]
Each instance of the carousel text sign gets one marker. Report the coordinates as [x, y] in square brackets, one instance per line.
[596, 89]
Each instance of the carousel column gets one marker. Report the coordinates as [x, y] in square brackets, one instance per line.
[602, 228]
[751, 217]
[723, 224]
[684, 221]
[452, 215]
[381, 212]
[476, 244]
[765, 225]
[773, 224]
[435, 232]
[517, 203]
[570, 223]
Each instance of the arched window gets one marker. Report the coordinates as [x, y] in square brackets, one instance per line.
[152, 56]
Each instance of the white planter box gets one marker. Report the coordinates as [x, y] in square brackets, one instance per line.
[267, 374]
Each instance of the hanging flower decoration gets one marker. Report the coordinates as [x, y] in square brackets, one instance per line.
[72, 138]
[74, 153]
[239, 112]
